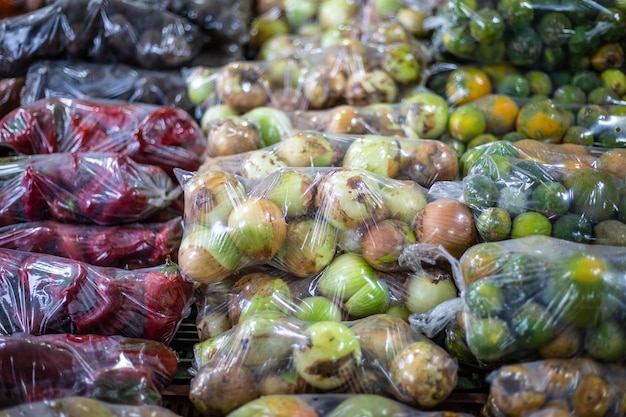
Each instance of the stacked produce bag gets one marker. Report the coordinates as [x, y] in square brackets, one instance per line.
[359, 207]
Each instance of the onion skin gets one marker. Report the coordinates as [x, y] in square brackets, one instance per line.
[276, 405]
[306, 149]
[242, 86]
[383, 243]
[432, 161]
[230, 136]
[448, 223]
[256, 291]
[382, 336]
[209, 196]
[378, 154]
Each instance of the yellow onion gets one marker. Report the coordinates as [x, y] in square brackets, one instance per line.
[210, 195]
[377, 154]
[259, 164]
[232, 135]
[310, 245]
[258, 228]
[200, 84]
[384, 242]
[350, 198]
[213, 324]
[215, 113]
[426, 291]
[256, 292]
[345, 119]
[404, 199]
[448, 223]
[382, 336]
[430, 161]
[317, 308]
[208, 254]
[306, 149]
[292, 190]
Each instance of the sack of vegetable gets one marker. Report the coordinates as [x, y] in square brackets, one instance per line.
[293, 219]
[87, 80]
[424, 161]
[557, 387]
[333, 405]
[101, 31]
[96, 188]
[74, 405]
[156, 135]
[114, 369]
[44, 294]
[133, 245]
[541, 297]
[269, 354]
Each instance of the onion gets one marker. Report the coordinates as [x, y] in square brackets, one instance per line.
[377, 154]
[318, 308]
[215, 113]
[431, 161]
[345, 120]
[258, 228]
[309, 247]
[350, 199]
[200, 85]
[213, 324]
[448, 223]
[260, 164]
[232, 135]
[404, 199]
[210, 195]
[255, 292]
[292, 191]
[426, 291]
[382, 336]
[272, 124]
[305, 149]
[384, 242]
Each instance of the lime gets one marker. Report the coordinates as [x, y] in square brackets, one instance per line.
[480, 192]
[524, 46]
[514, 199]
[566, 343]
[458, 41]
[482, 139]
[579, 135]
[550, 199]
[552, 58]
[482, 260]
[461, 9]
[515, 85]
[530, 223]
[490, 53]
[554, 28]
[606, 341]
[586, 80]
[529, 174]
[572, 227]
[532, 325]
[484, 298]
[602, 96]
[569, 94]
[516, 13]
[513, 136]
[495, 167]
[594, 194]
[493, 224]
[582, 289]
[539, 82]
[488, 338]
[590, 115]
[487, 25]
[466, 122]
[523, 278]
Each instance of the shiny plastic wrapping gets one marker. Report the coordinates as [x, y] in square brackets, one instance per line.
[294, 219]
[547, 35]
[424, 161]
[10, 89]
[45, 294]
[110, 368]
[90, 80]
[541, 297]
[269, 354]
[555, 387]
[95, 188]
[101, 31]
[133, 245]
[163, 136]
[62, 407]
[334, 405]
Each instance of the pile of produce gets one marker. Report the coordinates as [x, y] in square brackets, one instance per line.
[359, 207]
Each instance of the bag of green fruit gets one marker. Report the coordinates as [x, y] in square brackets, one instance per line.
[421, 160]
[540, 35]
[292, 219]
[541, 297]
[557, 387]
[272, 354]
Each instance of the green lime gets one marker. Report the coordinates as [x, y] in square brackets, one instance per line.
[524, 46]
[495, 167]
[513, 136]
[516, 13]
[530, 223]
[590, 115]
[479, 192]
[550, 199]
[540, 82]
[466, 122]
[482, 139]
[554, 28]
[586, 80]
[594, 194]
[458, 41]
[473, 155]
[602, 96]
[493, 224]
[490, 53]
[514, 199]
[455, 344]
[606, 341]
[488, 338]
[582, 289]
[532, 325]
[515, 85]
[484, 298]
[613, 22]
[460, 10]
[552, 58]
[560, 78]
[579, 135]
[487, 26]
[529, 174]
[569, 94]
[572, 227]
[615, 80]
[582, 41]
[523, 277]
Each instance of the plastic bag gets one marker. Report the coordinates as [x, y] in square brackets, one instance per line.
[134, 245]
[10, 8]
[292, 219]
[43, 294]
[101, 31]
[266, 354]
[541, 297]
[421, 160]
[66, 405]
[10, 89]
[89, 80]
[157, 135]
[96, 188]
[573, 387]
[109, 368]
[334, 405]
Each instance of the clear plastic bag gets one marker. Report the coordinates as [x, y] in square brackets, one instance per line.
[268, 354]
[163, 136]
[96, 188]
[110, 368]
[10, 89]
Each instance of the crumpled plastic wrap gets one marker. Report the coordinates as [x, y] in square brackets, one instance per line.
[268, 354]
[133, 245]
[162, 136]
[10, 89]
[553, 387]
[101, 31]
[44, 294]
[95, 188]
[110, 368]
